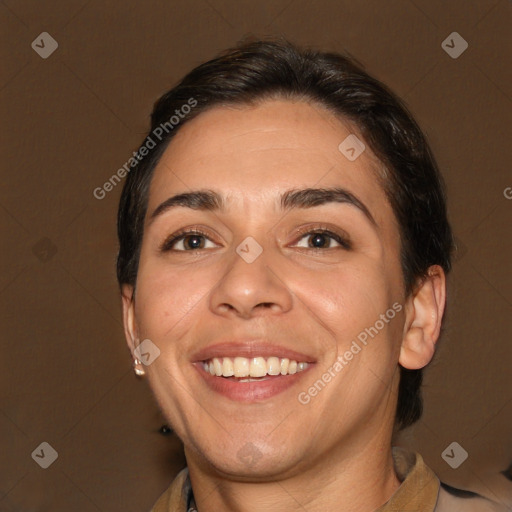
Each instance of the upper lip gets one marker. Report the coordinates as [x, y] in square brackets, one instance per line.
[250, 349]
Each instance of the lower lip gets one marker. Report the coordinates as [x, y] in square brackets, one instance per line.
[254, 391]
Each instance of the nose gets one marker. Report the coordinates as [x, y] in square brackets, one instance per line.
[248, 290]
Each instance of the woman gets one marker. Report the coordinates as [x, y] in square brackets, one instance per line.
[283, 250]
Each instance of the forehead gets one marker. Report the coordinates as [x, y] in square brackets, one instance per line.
[254, 152]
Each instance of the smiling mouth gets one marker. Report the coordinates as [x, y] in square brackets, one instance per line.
[243, 369]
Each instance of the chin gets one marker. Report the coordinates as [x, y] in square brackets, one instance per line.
[248, 461]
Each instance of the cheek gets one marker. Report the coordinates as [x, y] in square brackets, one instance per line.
[167, 297]
[349, 303]
[348, 295]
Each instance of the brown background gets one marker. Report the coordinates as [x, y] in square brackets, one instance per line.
[71, 120]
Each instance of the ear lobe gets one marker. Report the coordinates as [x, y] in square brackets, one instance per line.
[423, 320]
[129, 321]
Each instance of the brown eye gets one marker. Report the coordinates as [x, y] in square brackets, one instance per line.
[193, 242]
[322, 240]
[319, 241]
[189, 241]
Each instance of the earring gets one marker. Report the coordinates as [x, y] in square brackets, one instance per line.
[137, 369]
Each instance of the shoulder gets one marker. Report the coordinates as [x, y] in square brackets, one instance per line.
[451, 499]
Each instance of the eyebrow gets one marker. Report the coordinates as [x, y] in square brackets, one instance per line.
[209, 200]
[311, 197]
[197, 200]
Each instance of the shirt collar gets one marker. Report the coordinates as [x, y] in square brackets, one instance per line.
[419, 485]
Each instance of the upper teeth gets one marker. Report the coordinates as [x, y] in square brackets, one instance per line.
[253, 367]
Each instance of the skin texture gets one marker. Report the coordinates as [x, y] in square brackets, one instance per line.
[333, 453]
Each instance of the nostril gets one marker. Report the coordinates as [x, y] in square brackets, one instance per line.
[266, 305]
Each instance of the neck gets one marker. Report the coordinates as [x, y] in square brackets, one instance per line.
[355, 480]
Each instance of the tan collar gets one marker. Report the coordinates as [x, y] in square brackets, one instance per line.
[419, 488]
[177, 496]
[418, 491]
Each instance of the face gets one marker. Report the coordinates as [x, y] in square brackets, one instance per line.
[279, 250]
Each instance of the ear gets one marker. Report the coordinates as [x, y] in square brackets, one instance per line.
[129, 320]
[424, 314]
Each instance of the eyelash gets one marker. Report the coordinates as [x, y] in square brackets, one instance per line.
[342, 240]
